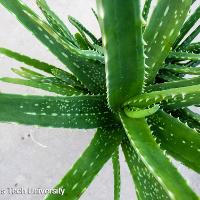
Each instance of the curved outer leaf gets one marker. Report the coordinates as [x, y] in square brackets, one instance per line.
[116, 172]
[55, 22]
[67, 112]
[168, 18]
[188, 26]
[183, 69]
[89, 72]
[180, 141]
[121, 28]
[50, 69]
[29, 61]
[174, 84]
[175, 97]
[70, 80]
[70, 86]
[44, 85]
[89, 164]
[158, 164]
[147, 187]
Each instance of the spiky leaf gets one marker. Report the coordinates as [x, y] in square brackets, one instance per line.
[89, 164]
[182, 142]
[174, 84]
[146, 185]
[174, 98]
[44, 84]
[168, 18]
[68, 112]
[154, 159]
[122, 40]
[90, 72]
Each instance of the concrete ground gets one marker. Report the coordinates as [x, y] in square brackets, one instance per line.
[32, 157]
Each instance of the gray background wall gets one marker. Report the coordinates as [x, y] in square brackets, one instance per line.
[42, 159]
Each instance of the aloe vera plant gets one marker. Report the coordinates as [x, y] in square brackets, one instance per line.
[129, 84]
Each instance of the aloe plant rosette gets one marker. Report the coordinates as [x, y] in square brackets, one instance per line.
[130, 85]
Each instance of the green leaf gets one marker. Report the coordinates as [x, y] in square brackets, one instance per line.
[154, 159]
[116, 172]
[51, 84]
[81, 41]
[29, 61]
[68, 112]
[183, 69]
[168, 18]
[167, 76]
[173, 84]
[55, 22]
[178, 56]
[146, 9]
[175, 97]
[44, 85]
[194, 63]
[190, 38]
[50, 69]
[147, 186]
[82, 29]
[188, 117]
[65, 77]
[121, 27]
[188, 26]
[192, 115]
[90, 72]
[27, 73]
[140, 113]
[180, 141]
[193, 48]
[82, 33]
[77, 180]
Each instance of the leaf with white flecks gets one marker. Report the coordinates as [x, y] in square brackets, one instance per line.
[183, 69]
[178, 56]
[174, 97]
[187, 26]
[124, 57]
[56, 22]
[100, 150]
[173, 84]
[154, 159]
[68, 112]
[89, 72]
[168, 18]
[146, 185]
[27, 60]
[180, 141]
[45, 84]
